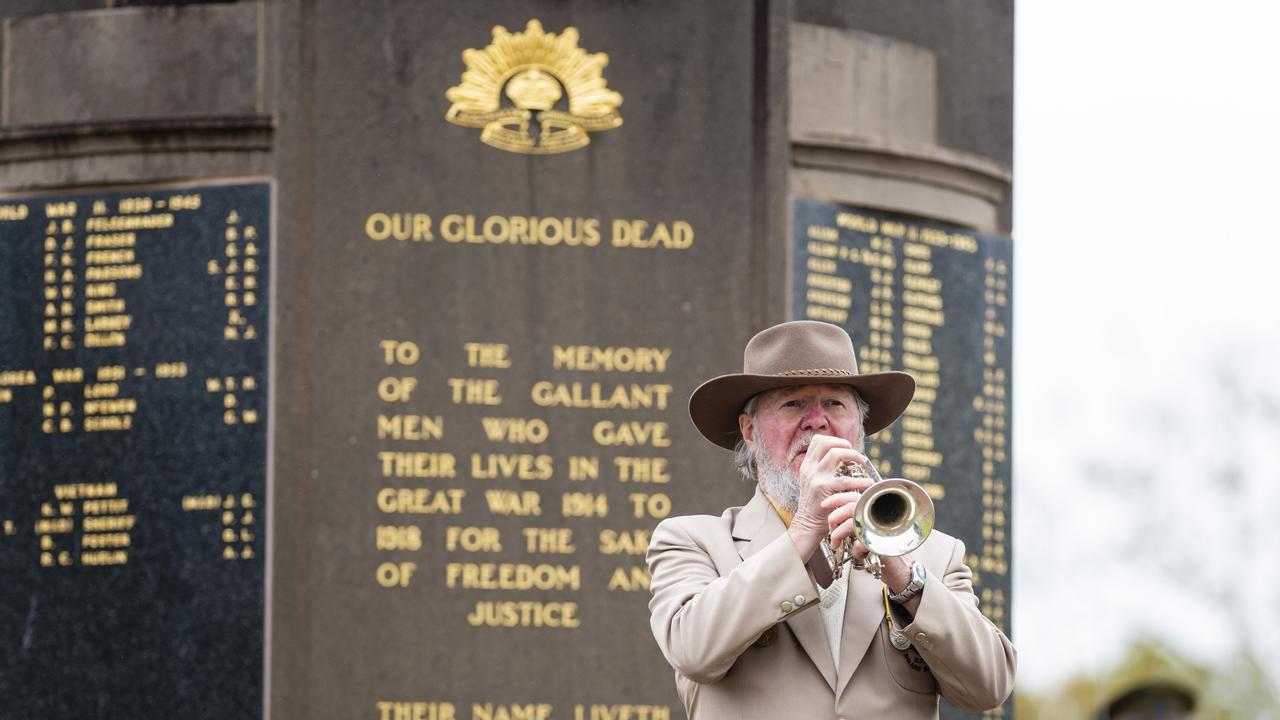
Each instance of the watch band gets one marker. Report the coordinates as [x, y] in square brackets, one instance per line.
[913, 588]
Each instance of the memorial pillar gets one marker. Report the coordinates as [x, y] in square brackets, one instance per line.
[345, 348]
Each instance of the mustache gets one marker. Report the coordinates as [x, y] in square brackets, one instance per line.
[800, 445]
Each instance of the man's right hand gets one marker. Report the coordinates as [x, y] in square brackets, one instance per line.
[819, 481]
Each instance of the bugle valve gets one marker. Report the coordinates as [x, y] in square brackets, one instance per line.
[892, 518]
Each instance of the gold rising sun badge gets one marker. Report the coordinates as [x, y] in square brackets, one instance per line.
[536, 70]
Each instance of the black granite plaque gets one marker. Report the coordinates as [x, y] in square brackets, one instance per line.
[934, 300]
[133, 448]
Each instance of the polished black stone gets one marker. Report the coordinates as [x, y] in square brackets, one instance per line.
[171, 625]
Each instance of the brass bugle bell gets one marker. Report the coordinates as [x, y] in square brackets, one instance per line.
[892, 518]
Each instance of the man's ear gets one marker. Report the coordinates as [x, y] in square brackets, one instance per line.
[744, 427]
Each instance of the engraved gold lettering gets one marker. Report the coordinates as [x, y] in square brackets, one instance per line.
[104, 557]
[548, 540]
[515, 430]
[512, 576]
[396, 389]
[417, 464]
[17, 377]
[523, 503]
[599, 396]
[518, 466]
[473, 539]
[487, 355]
[818, 312]
[60, 209]
[829, 282]
[584, 468]
[10, 213]
[828, 298]
[638, 234]
[630, 579]
[920, 362]
[398, 537]
[918, 267]
[396, 574]
[923, 316]
[656, 505]
[584, 505]
[393, 710]
[111, 240]
[853, 221]
[621, 712]
[627, 542]
[421, 501]
[474, 391]
[524, 614]
[642, 470]
[610, 359]
[631, 433]
[402, 226]
[822, 265]
[490, 711]
[410, 427]
[822, 232]
[400, 352]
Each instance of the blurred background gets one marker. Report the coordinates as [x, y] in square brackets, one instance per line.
[1147, 404]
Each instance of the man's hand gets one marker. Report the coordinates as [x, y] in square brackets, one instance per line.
[818, 483]
[896, 571]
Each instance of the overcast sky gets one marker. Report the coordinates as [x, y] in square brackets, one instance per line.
[1146, 308]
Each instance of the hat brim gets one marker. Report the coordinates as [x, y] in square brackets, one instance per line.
[715, 406]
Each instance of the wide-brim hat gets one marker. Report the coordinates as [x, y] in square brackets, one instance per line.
[803, 352]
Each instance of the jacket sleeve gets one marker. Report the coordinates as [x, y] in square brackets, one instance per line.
[703, 620]
[973, 662]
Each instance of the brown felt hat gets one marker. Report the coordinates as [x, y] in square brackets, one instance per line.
[804, 352]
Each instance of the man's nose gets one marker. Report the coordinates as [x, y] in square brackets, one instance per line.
[815, 418]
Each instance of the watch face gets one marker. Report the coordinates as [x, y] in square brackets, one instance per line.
[917, 573]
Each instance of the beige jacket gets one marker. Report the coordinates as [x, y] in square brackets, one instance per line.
[733, 610]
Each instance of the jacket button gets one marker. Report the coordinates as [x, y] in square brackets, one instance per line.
[786, 606]
[799, 600]
[921, 637]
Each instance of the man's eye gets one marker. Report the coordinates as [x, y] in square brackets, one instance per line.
[835, 403]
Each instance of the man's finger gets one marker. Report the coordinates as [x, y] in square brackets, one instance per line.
[840, 499]
[842, 531]
[835, 456]
[820, 446]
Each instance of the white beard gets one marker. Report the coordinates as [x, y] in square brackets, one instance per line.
[780, 482]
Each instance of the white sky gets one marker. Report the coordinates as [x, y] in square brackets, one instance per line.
[1147, 278]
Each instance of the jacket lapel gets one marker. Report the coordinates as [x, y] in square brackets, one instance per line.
[756, 526]
[863, 614]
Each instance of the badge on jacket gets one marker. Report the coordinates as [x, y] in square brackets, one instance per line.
[767, 637]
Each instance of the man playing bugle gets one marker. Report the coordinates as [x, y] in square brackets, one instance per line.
[756, 610]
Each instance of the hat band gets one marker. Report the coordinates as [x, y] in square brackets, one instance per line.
[829, 372]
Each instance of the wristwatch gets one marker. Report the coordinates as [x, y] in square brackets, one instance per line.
[913, 588]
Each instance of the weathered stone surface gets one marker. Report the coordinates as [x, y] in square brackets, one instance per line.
[133, 63]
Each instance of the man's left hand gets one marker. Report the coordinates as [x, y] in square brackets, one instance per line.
[896, 571]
